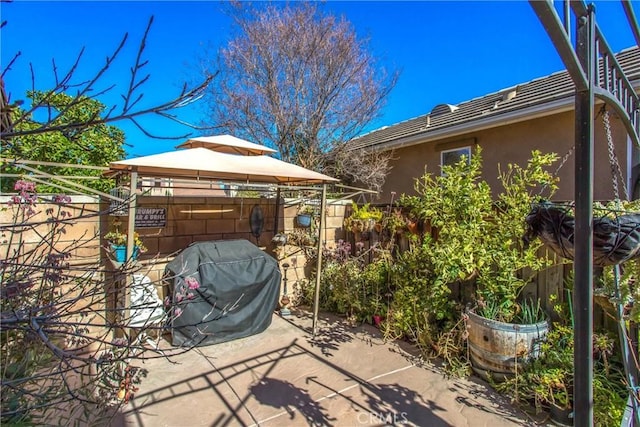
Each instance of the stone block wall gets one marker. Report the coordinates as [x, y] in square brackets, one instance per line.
[28, 241]
[78, 235]
[193, 219]
[299, 269]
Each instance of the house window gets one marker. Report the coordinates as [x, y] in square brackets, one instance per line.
[451, 157]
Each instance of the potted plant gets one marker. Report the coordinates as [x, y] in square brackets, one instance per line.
[378, 310]
[394, 222]
[118, 244]
[363, 218]
[547, 382]
[479, 243]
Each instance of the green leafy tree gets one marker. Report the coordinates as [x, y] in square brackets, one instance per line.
[93, 145]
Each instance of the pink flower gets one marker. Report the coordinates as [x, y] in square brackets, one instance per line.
[61, 198]
[24, 185]
[177, 311]
[119, 342]
[192, 283]
[167, 302]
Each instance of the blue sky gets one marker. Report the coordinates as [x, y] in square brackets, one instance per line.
[448, 51]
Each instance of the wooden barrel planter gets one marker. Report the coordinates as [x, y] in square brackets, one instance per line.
[497, 348]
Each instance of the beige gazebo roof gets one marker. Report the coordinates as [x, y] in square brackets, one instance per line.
[227, 144]
[204, 163]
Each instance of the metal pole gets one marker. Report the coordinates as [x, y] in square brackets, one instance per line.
[583, 262]
[316, 298]
[631, 17]
[276, 217]
[131, 225]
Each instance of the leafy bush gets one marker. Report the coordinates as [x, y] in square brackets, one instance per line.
[478, 239]
[475, 242]
[548, 380]
[419, 299]
[348, 286]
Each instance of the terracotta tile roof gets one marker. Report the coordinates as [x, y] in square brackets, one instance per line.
[536, 93]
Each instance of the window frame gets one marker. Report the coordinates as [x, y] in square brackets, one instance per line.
[443, 152]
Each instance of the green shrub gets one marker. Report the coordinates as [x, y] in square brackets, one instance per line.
[348, 286]
[548, 379]
[479, 239]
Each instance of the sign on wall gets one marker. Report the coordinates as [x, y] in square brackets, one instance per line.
[151, 217]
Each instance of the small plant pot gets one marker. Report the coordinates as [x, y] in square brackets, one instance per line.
[303, 220]
[412, 226]
[377, 320]
[120, 252]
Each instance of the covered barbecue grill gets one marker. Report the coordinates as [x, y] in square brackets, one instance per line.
[222, 290]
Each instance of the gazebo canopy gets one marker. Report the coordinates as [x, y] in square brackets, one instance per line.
[227, 144]
[202, 162]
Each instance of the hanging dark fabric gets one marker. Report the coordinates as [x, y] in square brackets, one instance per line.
[256, 222]
[615, 240]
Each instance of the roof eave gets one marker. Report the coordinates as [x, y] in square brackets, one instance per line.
[525, 114]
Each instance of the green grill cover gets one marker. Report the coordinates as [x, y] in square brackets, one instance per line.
[238, 291]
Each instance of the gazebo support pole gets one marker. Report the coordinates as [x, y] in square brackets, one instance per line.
[316, 297]
[131, 224]
[276, 219]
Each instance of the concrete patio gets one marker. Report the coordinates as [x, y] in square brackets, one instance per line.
[284, 377]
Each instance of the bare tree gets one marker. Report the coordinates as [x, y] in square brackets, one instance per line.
[300, 81]
[70, 346]
[85, 90]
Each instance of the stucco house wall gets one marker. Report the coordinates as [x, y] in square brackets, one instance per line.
[508, 125]
[513, 143]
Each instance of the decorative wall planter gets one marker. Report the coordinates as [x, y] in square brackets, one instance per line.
[120, 252]
[303, 220]
[496, 348]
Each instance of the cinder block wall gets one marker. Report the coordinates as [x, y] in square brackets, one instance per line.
[292, 255]
[81, 228]
[31, 239]
[189, 219]
[193, 219]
